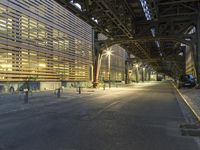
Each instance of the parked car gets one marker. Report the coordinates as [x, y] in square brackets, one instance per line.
[187, 80]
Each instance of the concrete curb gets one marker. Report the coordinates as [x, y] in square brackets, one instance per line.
[188, 104]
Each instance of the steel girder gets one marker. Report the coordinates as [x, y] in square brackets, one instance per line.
[114, 16]
[175, 38]
[178, 18]
[123, 21]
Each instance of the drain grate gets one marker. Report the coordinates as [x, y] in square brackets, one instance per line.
[190, 129]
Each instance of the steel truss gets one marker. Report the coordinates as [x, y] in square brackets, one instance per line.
[124, 23]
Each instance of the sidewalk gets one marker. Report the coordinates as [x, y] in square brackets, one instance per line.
[192, 98]
[15, 102]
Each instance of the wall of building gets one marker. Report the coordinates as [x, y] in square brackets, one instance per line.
[41, 41]
[117, 64]
[189, 57]
[190, 65]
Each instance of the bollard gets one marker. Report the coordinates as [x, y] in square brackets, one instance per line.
[104, 87]
[26, 97]
[79, 90]
[58, 93]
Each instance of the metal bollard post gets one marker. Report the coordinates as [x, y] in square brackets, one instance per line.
[26, 97]
[104, 87]
[58, 93]
[79, 90]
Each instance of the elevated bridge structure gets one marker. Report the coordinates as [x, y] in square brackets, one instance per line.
[155, 30]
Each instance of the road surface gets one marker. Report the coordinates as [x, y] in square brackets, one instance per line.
[143, 117]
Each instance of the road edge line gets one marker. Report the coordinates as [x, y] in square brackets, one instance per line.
[190, 107]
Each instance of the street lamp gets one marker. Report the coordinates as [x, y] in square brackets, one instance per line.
[109, 53]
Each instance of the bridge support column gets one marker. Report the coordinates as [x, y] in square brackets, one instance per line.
[126, 72]
[198, 50]
[146, 74]
[143, 74]
[149, 75]
[97, 66]
[137, 74]
[156, 76]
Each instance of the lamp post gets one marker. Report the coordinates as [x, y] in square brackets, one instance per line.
[108, 53]
[137, 72]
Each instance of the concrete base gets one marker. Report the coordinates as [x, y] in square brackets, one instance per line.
[75, 84]
[10, 87]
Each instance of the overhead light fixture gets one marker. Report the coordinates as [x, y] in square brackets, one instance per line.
[76, 4]
[95, 20]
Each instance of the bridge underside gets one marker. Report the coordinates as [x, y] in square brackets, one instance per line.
[156, 32]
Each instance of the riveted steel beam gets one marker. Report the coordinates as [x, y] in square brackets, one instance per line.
[177, 38]
[177, 2]
[124, 23]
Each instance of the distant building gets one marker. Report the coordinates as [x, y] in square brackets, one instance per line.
[117, 64]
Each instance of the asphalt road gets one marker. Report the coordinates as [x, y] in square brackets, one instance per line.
[145, 117]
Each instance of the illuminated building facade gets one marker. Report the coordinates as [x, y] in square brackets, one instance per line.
[117, 64]
[45, 46]
[189, 58]
[42, 42]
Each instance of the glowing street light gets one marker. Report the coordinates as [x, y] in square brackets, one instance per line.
[108, 52]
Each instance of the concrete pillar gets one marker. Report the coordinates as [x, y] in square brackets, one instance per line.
[137, 74]
[164, 77]
[126, 72]
[97, 66]
[143, 74]
[97, 59]
[149, 75]
[146, 74]
[198, 50]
